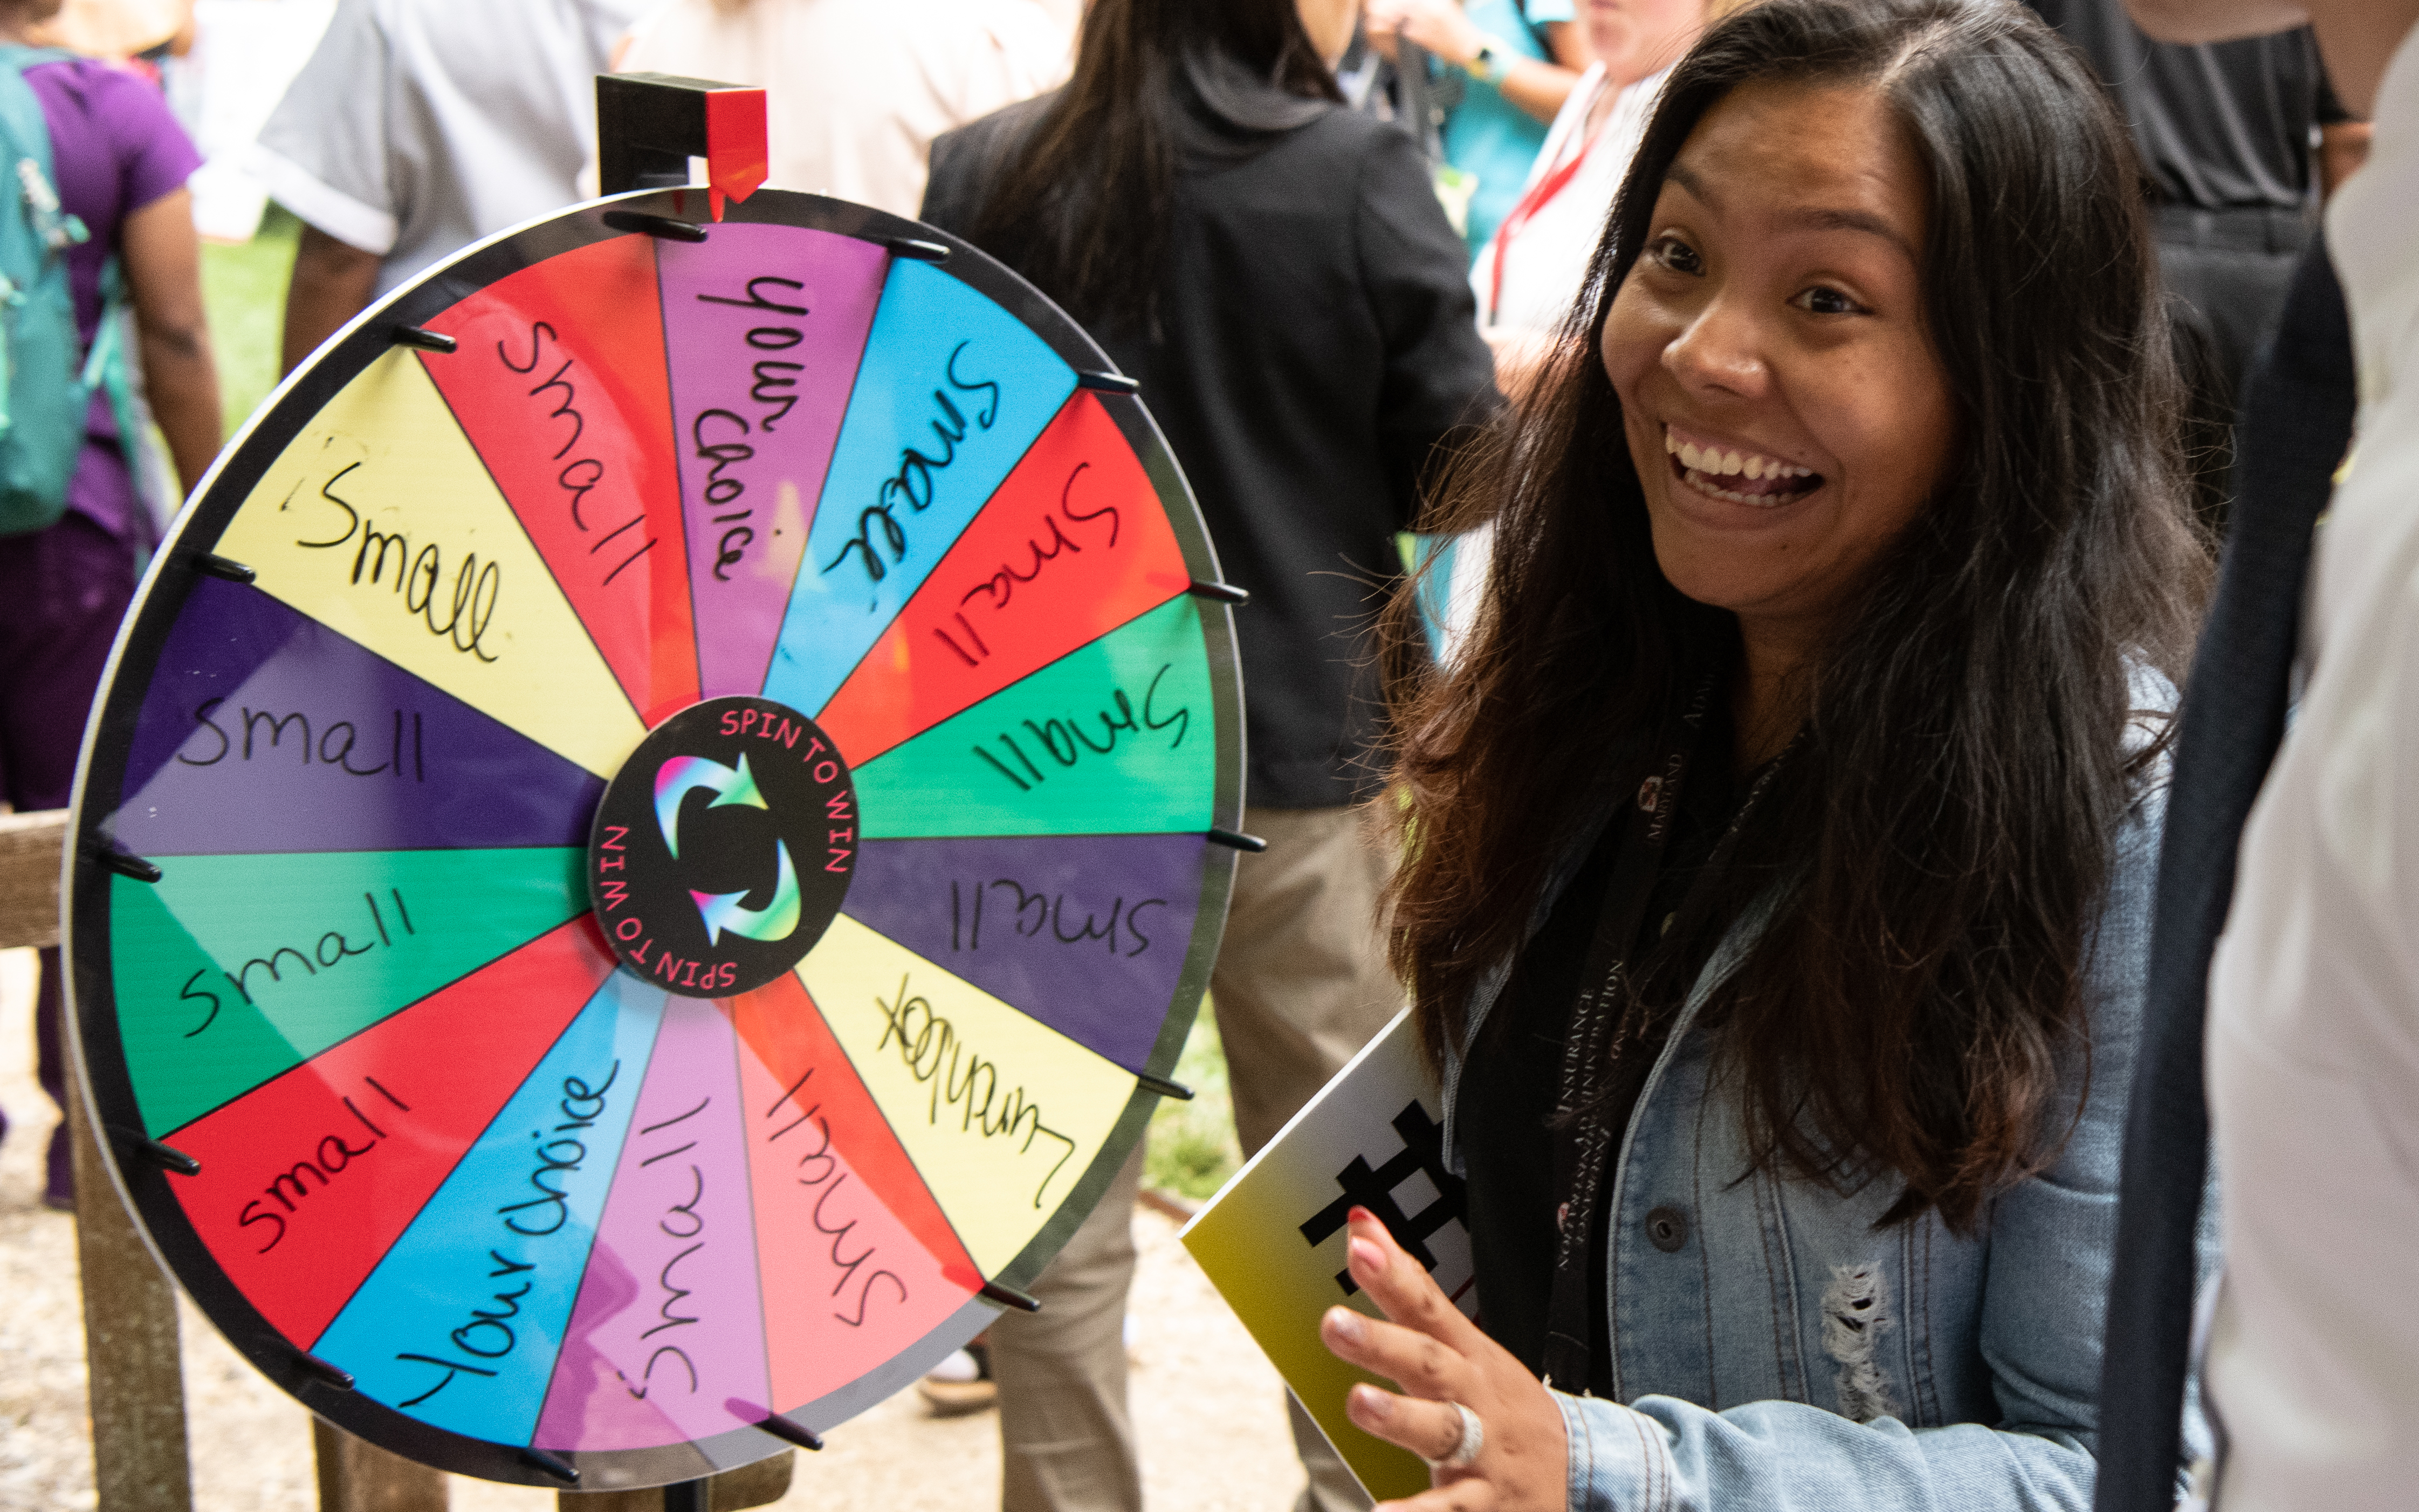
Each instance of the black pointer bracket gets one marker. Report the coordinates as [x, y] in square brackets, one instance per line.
[649, 125]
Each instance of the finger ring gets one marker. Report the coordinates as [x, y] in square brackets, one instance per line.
[1473, 1439]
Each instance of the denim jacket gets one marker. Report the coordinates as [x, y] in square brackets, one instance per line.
[1777, 1351]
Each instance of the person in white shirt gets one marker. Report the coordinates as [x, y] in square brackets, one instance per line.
[1528, 273]
[2312, 1365]
[418, 126]
[855, 90]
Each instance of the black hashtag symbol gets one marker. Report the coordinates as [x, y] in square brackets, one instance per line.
[1422, 1154]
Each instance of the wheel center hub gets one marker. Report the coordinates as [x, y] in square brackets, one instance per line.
[724, 847]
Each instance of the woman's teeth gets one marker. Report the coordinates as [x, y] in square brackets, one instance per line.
[1713, 462]
[1780, 481]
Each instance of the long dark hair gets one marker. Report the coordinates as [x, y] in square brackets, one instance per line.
[1940, 835]
[1081, 205]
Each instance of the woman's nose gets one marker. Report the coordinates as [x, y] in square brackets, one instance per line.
[1721, 350]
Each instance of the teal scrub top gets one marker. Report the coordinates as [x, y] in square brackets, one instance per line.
[1487, 135]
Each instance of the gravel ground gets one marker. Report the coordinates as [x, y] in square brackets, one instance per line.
[1208, 1406]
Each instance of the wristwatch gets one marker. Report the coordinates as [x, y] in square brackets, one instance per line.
[1492, 62]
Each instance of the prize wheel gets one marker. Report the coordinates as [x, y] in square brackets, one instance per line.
[654, 837]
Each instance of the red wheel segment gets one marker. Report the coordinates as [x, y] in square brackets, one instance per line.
[559, 383]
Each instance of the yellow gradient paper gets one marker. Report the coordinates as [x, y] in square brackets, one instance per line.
[380, 522]
[1272, 1239]
[1002, 1115]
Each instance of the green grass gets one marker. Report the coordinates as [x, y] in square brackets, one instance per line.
[1191, 1149]
[243, 289]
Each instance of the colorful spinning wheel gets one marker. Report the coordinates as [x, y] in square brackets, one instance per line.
[653, 836]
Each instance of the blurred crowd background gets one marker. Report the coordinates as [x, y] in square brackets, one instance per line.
[2240, 128]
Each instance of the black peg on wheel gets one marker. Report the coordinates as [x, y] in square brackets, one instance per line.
[1108, 383]
[771, 1422]
[322, 1372]
[168, 1158]
[131, 867]
[914, 251]
[1237, 841]
[420, 338]
[662, 227]
[781, 1428]
[1008, 1296]
[212, 565]
[540, 1461]
[1219, 592]
[1164, 1086]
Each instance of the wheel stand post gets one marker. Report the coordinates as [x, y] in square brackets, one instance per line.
[760, 1484]
[135, 1376]
[356, 1476]
[688, 1496]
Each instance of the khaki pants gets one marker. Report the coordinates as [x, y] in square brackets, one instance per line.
[1301, 983]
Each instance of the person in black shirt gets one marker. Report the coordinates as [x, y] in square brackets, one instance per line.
[1275, 270]
[2239, 143]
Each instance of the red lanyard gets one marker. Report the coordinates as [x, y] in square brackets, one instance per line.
[1538, 196]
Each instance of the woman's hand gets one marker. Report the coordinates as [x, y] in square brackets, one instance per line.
[1441, 1358]
[1438, 25]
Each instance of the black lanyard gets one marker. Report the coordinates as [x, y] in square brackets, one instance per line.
[1606, 1017]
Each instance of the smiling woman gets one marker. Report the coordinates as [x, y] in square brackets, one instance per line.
[1779, 853]
[1787, 413]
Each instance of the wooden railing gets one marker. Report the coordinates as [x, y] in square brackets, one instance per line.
[136, 1380]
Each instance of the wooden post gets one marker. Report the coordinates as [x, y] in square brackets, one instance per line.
[358, 1476]
[29, 877]
[760, 1484]
[135, 1376]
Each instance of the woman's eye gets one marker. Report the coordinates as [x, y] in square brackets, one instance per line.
[1823, 300]
[1676, 254]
